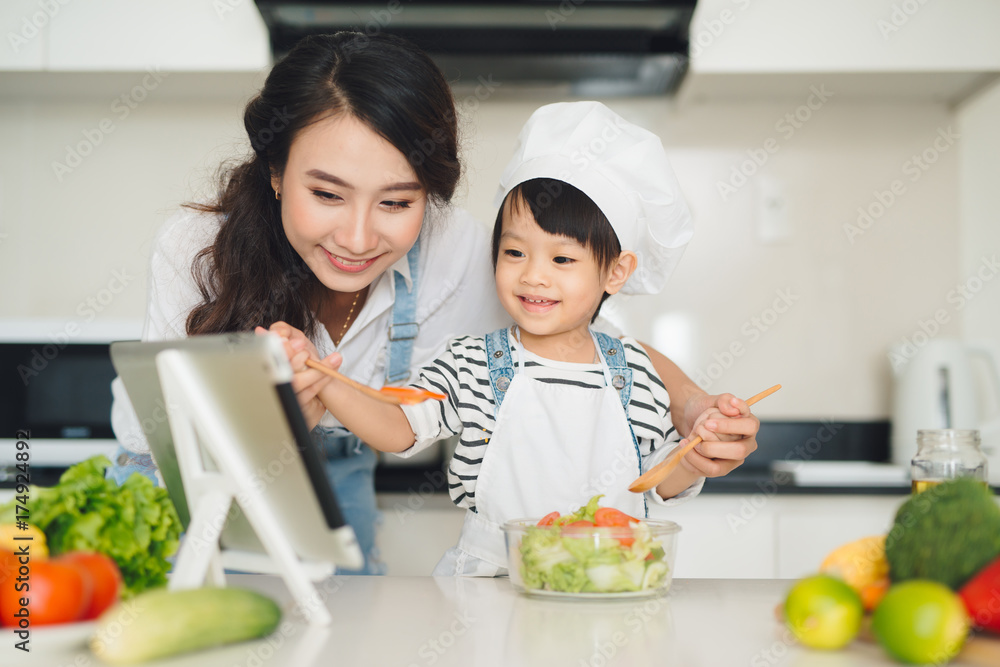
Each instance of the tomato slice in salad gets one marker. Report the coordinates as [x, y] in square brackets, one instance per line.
[582, 523]
[548, 519]
[610, 517]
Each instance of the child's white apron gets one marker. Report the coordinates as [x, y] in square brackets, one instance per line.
[554, 446]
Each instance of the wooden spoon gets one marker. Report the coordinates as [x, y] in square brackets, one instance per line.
[661, 471]
[394, 395]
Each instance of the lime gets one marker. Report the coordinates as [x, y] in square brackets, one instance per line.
[823, 612]
[921, 622]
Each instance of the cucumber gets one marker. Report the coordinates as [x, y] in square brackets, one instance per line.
[161, 623]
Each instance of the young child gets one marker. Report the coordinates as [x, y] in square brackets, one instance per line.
[550, 412]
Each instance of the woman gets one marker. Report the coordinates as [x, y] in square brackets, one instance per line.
[339, 226]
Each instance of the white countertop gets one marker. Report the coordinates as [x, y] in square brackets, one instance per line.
[423, 621]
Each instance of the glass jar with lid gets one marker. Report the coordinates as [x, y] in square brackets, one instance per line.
[944, 454]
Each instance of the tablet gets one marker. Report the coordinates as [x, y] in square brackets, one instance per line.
[248, 380]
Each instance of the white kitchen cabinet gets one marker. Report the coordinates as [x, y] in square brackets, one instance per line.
[166, 35]
[724, 536]
[125, 36]
[24, 25]
[813, 526]
[763, 536]
[416, 530]
[845, 36]
[907, 49]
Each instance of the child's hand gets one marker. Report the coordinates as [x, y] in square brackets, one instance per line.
[306, 382]
[728, 431]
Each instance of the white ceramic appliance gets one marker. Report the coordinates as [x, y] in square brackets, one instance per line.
[945, 383]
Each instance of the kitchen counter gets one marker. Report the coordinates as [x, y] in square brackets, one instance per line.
[416, 621]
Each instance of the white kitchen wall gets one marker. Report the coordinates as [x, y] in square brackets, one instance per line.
[815, 308]
[793, 289]
[979, 204]
[979, 208]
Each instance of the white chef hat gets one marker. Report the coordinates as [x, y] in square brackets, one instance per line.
[622, 168]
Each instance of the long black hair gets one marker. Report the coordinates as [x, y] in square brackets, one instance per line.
[251, 275]
[564, 210]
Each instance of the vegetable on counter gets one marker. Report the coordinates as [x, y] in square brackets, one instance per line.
[58, 593]
[823, 612]
[552, 558]
[29, 534]
[135, 523]
[921, 622]
[106, 578]
[943, 539]
[863, 566]
[76, 586]
[981, 596]
[947, 534]
[162, 623]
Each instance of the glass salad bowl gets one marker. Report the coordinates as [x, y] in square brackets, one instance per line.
[636, 560]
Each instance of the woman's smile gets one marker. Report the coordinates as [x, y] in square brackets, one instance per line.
[349, 265]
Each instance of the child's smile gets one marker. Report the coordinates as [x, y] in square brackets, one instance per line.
[534, 304]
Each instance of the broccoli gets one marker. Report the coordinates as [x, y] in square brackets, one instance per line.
[947, 533]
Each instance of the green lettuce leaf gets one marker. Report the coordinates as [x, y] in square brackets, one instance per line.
[135, 523]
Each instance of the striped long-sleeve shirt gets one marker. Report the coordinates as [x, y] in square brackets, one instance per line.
[462, 374]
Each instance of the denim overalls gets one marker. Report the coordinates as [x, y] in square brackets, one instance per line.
[350, 464]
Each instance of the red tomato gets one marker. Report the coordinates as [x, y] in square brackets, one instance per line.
[106, 577]
[8, 596]
[610, 517]
[56, 593]
[548, 519]
[980, 595]
[582, 522]
[8, 564]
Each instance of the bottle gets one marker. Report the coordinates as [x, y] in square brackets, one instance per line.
[946, 454]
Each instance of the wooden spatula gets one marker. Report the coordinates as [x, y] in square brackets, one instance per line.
[661, 471]
[394, 395]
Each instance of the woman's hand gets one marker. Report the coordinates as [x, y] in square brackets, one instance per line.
[306, 382]
[728, 431]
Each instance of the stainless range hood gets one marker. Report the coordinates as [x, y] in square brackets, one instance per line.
[591, 48]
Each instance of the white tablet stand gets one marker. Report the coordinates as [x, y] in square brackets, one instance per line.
[196, 423]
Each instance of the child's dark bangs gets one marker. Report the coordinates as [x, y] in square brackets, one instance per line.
[559, 208]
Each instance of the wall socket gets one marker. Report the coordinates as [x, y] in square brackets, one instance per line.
[771, 211]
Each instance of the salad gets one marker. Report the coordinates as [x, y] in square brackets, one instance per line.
[613, 553]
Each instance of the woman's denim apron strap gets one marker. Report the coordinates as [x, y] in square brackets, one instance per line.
[350, 464]
[126, 462]
[350, 467]
[404, 327]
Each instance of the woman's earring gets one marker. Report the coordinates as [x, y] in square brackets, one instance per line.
[277, 195]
